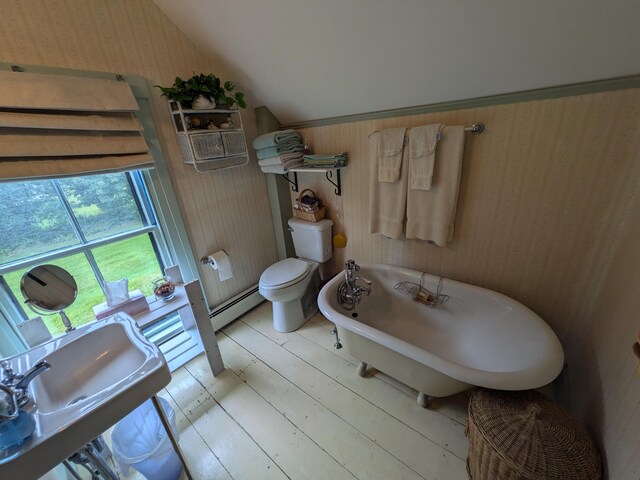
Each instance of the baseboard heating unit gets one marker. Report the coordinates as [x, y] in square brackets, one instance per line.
[228, 311]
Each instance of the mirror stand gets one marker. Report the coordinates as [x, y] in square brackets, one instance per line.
[66, 322]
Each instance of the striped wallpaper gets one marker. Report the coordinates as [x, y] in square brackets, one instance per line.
[544, 205]
[227, 210]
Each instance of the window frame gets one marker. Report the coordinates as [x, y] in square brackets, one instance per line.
[159, 189]
[86, 247]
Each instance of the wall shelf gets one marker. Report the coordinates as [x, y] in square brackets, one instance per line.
[204, 140]
[329, 174]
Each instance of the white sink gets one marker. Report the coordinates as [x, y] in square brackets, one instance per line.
[99, 373]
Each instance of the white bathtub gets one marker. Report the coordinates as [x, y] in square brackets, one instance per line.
[478, 337]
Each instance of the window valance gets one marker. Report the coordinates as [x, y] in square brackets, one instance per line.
[58, 125]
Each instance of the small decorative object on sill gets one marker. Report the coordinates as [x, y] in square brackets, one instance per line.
[307, 207]
[116, 292]
[164, 289]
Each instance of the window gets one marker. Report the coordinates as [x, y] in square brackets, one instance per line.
[98, 227]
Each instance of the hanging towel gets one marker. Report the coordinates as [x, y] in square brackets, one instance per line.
[275, 138]
[431, 213]
[387, 200]
[422, 153]
[279, 160]
[390, 147]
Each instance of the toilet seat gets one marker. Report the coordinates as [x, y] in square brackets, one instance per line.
[284, 273]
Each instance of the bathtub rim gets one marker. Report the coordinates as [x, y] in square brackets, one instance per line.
[522, 379]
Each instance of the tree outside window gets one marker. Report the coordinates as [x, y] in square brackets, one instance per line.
[98, 227]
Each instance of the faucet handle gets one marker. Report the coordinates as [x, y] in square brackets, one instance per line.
[6, 367]
[8, 376]
[352, 265]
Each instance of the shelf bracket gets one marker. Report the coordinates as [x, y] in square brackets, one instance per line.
[294, 184]
[337, 184]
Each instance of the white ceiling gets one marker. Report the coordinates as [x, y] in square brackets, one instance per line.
[309, 59]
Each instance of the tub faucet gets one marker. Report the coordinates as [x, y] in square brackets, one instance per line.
[20, 382]
[349, 292]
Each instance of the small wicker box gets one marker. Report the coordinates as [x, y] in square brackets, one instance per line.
[526, 436]
[234, 143]
[308, 216]
[206, 145]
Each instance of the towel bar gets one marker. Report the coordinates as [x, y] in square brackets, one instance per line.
[476, 129]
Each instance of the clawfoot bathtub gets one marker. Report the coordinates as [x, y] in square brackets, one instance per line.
[478, 337]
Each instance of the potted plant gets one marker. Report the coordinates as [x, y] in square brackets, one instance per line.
[204, 91]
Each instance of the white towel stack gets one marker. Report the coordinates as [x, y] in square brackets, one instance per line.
[279, 151]
[282, 163]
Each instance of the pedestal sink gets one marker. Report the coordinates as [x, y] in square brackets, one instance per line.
[99, 373]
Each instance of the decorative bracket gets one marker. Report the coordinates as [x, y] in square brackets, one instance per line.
[328, 173]
[294, 184]
[337, 184]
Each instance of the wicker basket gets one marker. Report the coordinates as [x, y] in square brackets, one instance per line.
[526, 436]
[308, 216]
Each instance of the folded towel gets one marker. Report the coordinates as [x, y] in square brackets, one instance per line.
[390, 146]
[283, 168]
[279, 160]
[431, 213]
[387, 200]
[308, 204]
[275, 138]
[422, 153]
[288, 147]
[326, 161]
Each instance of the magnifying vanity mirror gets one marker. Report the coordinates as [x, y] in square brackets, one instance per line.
[49, 289]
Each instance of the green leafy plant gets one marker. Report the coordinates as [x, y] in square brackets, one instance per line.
[210, 86]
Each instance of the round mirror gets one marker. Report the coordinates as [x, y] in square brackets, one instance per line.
[49, 288]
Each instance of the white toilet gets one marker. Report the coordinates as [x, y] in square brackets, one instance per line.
[292, 284]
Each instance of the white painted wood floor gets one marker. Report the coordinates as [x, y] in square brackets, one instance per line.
[290, 406]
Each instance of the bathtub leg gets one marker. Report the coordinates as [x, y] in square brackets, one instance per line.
[423, 400]
[362, 369]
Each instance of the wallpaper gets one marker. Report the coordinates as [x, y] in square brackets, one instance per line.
[543, 214]
[226, 210]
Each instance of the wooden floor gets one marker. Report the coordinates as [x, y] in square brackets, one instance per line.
[291, 406]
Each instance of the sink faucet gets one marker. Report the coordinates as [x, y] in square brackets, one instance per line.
[20, 382]
[349, 292]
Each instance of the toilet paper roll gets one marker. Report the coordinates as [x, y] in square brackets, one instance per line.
[220, 261]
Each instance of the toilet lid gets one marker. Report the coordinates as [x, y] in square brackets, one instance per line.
[285, 271]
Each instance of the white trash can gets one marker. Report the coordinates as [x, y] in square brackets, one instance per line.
[140, 441]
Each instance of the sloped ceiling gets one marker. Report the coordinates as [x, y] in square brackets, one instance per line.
[309, 59]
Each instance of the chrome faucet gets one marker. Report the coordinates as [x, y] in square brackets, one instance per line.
[349, 292]
[20, 382]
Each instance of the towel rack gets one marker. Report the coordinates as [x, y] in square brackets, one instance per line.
[476, 129]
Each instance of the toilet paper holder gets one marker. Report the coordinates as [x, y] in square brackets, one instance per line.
[205, 260]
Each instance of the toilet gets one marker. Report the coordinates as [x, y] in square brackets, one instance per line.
[292, 284]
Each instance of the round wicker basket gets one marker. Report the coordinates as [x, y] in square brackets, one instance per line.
[526, 436]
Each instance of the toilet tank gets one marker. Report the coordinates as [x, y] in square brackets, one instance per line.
[311, 240]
